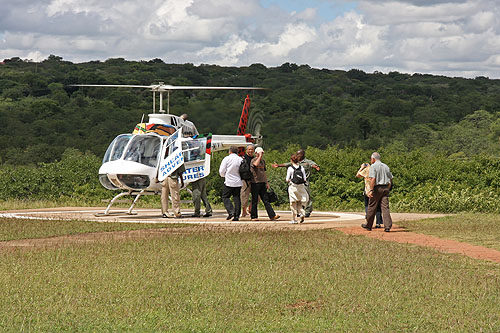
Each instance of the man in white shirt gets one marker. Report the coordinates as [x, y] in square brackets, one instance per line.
[230, 170]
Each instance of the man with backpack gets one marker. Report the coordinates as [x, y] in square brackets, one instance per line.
[308, 165]
[297, 194]
[246, 177]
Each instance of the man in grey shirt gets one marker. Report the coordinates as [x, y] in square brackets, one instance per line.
[380, 177]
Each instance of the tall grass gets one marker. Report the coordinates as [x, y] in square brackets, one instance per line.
[319, 281]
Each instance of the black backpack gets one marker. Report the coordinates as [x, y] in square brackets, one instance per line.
[245, 172]
[297, 176]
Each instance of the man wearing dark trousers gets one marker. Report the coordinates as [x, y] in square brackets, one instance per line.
[199, 193]
[259, 186]
[380, 177]
[230, 170]
[245, 189]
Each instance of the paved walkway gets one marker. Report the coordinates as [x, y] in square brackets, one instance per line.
[318, 220]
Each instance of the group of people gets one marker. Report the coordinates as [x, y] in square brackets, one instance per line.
[298, 170]
[237, 188]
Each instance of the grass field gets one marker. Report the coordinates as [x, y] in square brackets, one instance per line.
[11, 229]
[477, 229]
[247, 281]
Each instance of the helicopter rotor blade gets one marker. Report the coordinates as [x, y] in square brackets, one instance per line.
[168, 87]
[163, 87]
[111, 85]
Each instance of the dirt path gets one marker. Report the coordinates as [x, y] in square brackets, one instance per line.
[401, 235]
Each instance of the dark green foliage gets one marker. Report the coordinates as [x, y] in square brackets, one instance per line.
[437, 133]
[74, 177]
[40, 111]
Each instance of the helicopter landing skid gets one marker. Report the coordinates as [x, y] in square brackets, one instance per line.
[129, 212]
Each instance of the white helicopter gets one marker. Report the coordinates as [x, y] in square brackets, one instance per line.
[138, 162]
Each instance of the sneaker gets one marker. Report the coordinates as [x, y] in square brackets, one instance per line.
[207, 215]
[274, 218]
[387, 229]
[293, 222]
[301, 219]
[378, 226]
[230, 216]
[178, 216]
[308, 214]
[165, 216]
[235, 219]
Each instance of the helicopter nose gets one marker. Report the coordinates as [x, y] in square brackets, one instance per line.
[105, 181]
[136, 182]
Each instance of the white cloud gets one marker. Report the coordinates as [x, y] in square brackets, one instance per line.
[440, 36]
[393, 13]
[481, 22]
[308, 15]
[226, 54]
[292, 38]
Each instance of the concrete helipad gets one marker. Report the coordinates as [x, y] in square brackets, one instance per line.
[318, 220]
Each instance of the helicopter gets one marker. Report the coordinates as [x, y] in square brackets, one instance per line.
[136, 163]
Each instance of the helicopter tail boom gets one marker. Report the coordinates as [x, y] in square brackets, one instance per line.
[223, 142]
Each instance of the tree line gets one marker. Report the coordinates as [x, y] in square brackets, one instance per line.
[43, 115]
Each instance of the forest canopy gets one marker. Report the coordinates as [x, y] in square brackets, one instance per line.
[43, 115]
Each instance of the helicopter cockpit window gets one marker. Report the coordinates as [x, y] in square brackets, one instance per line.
[144, 149]
[115, 149]
[194, 150]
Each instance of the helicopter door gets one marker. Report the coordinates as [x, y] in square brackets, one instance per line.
[171, 156]
[196, 158]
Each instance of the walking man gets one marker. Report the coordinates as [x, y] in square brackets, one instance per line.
[259, 186]
[230, 170]
[380, 177]
[363, 172]
[245, 189]
[308, 165]
[199, 193]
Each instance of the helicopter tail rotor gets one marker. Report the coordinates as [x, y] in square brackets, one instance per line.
[255, 121]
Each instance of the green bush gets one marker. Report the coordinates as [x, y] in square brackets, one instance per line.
[73, 177]
[422, 181]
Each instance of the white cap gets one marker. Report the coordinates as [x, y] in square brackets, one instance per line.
[259, 150]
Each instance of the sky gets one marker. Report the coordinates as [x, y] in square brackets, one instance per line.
[457, 38]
